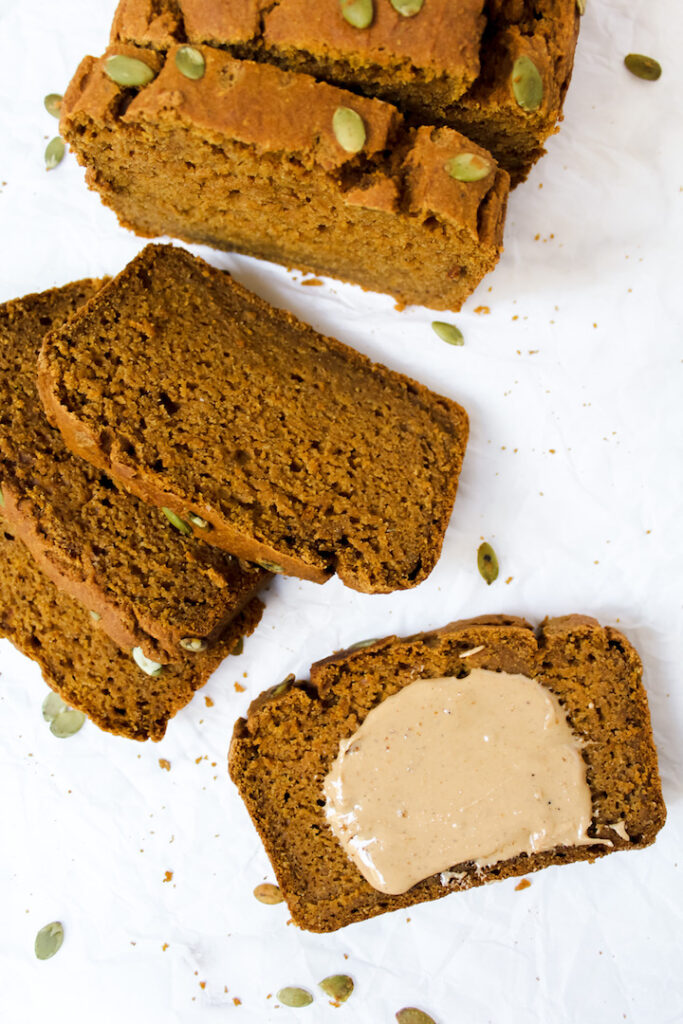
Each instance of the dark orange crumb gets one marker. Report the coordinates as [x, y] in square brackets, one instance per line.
[168, 876]
[239, 688]
[524, 884]
[208, 702]
[163, 763]
[482, 310]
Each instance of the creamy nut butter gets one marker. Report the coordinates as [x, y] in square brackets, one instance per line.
[453, 770]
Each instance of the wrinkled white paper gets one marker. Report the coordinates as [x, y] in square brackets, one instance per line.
[573, 382]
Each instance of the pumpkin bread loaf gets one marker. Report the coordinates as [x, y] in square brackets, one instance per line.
[87, 669]
[298, 452]
[146, 584]
[495, 70]
[281, 753]
[254, 159]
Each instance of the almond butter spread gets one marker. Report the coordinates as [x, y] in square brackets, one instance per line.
[450, 771]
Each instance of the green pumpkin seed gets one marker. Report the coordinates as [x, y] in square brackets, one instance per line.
[283, 686]
[176, 521]
[194, 644]
[449, 333]
[197, 521]
[358, 13]
[643, 67]
[360, 644]
[409, 1015]
[49, 940]
[2, 499]
[581, 6]
[487, 563]
[190, 62]
[468, 167]
[151, 668]
[53, 103]
[337, 986]
[349, 129]
[407, 8]
[270, 566]
[67, 723]
[238, 648]
[95, 616]
[527, 84]
[53, 705]
[269, 894]
[128, 71]
[295, 997]
[54, 153]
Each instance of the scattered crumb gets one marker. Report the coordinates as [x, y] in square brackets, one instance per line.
[312, 281]
[208, 702]
[551, 450]
[239, 688]
[536, 237]
[164, 947]
[163, 763]
[236, 1001]
[524, 884]
[168, 876]
[482, 310]
[202, 984]
[509, 579]
[515, 317]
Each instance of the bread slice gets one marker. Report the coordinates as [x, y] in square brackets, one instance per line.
[282, 751]
[297, 451]
[87, 669]
[151, 586]
[246, 158]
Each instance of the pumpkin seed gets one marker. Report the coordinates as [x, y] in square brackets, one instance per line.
[53, 103]
[193, 643]
[349, 129]
[358, 13]
[581, 6]
[238, 648]
[176, 521]
[270, 566]
[53, 705]
[152, 668]
[360, 644]
[284, 685]
[95, 616]
[487, 563]
[2, 499]
[54, 153]
[449, 333]
[468, 167]
[197, 521]
[190, 62]
[67, 723]
[128, 71]
[49, 940]
[295, 996]
[410, 1015]
[643, 67]
[268, 893]
[408, 8]
[527, 84]
[337, 986]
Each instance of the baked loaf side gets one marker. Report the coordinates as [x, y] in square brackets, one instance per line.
[87, 669]
[246, 158]
[451, 63]
[281, 753]
[299, 452]
[149, 585]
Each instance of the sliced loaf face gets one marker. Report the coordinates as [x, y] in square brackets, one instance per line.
[87, 669]
[282, 751]
[150, 585]
[297, 451]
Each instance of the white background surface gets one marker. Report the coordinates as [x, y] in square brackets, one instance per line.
[574, 473]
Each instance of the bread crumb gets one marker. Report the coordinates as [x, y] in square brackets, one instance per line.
[164, 947]
[202, 984]
[239, 688]
[168, 876]
[524, 884]
[236, 1001]
[482, 310]
[509, 579]
[312, 281]
[208, 702]
[163, 763]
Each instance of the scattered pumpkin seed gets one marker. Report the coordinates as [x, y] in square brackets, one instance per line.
[360, 644]
[197, 521]
[487, 562]
[54, 153]
[152, 668]
[268, 893]
[358, 13]
[468, 167]
[449, 333]
[128, 71]
[53, 705]
[53, 103]
[581, 6]
[408, 8]
[190, 62]
[49, 940]
[67, 723]
[193, 643]
[349, 129]
[410, 1015]
[643, 67]
[337, 986]
[2, 499]
[284, 685]
[95, 616]
[239, 647]
[295, 997]
[270, 566]
[527, 84]
[176, 521]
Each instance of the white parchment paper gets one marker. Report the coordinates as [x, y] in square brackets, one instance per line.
[574, 472]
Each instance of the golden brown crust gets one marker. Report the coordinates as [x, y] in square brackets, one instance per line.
[282, 751]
